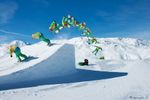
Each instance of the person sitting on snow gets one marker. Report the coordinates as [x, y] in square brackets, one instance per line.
[17, 51]
[40, 36]
[86, 62]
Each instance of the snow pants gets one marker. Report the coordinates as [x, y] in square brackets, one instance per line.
[18, 53]
[95, 51]
[42, 38]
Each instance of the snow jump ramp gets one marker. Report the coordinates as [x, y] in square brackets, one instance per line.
[57, 69]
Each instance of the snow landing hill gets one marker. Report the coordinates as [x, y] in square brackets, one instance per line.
[53, 72]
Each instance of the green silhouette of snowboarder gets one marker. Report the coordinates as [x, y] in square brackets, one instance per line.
[55, 27]
[96, 50]
[94, 40]
[40, 36]
[17, 51]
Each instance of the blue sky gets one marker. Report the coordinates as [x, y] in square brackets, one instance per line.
[106, 18]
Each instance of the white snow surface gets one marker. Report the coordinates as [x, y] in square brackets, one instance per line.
[53, 72]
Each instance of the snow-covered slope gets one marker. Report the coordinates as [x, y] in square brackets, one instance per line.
[125, 48]
[54, 66]
[122, 75]
[116, 48]
[133, 86]
[37, 53]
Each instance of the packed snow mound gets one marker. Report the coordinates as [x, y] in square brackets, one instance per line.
[61, 58]
[54, 66]
[114, 48]
[35, 54]
[114, 51]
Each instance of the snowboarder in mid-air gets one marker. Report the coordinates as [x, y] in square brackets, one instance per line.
[82, 26]
[65, 21]
[17, 51]
[94, 40]
[97, 50]
[55, 27]
[86, 32]
[40, 36]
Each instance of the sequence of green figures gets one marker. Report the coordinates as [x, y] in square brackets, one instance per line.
[67, 22]
[70, 21]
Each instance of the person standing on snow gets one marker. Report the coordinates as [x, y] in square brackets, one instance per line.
[40, 36]
[17, 51]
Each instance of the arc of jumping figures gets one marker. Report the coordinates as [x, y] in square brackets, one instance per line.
[67, 22]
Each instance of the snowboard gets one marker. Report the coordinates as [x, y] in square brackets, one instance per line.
[51, 44]
[29, 58]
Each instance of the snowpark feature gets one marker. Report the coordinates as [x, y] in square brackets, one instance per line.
[97, 81]
[52, 67]
[35, 53]
[56, 69]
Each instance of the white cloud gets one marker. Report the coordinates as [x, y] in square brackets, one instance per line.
[6, 36]
[13, 33]
[7, 11]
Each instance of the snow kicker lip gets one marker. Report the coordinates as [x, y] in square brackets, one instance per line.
[57, 69]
